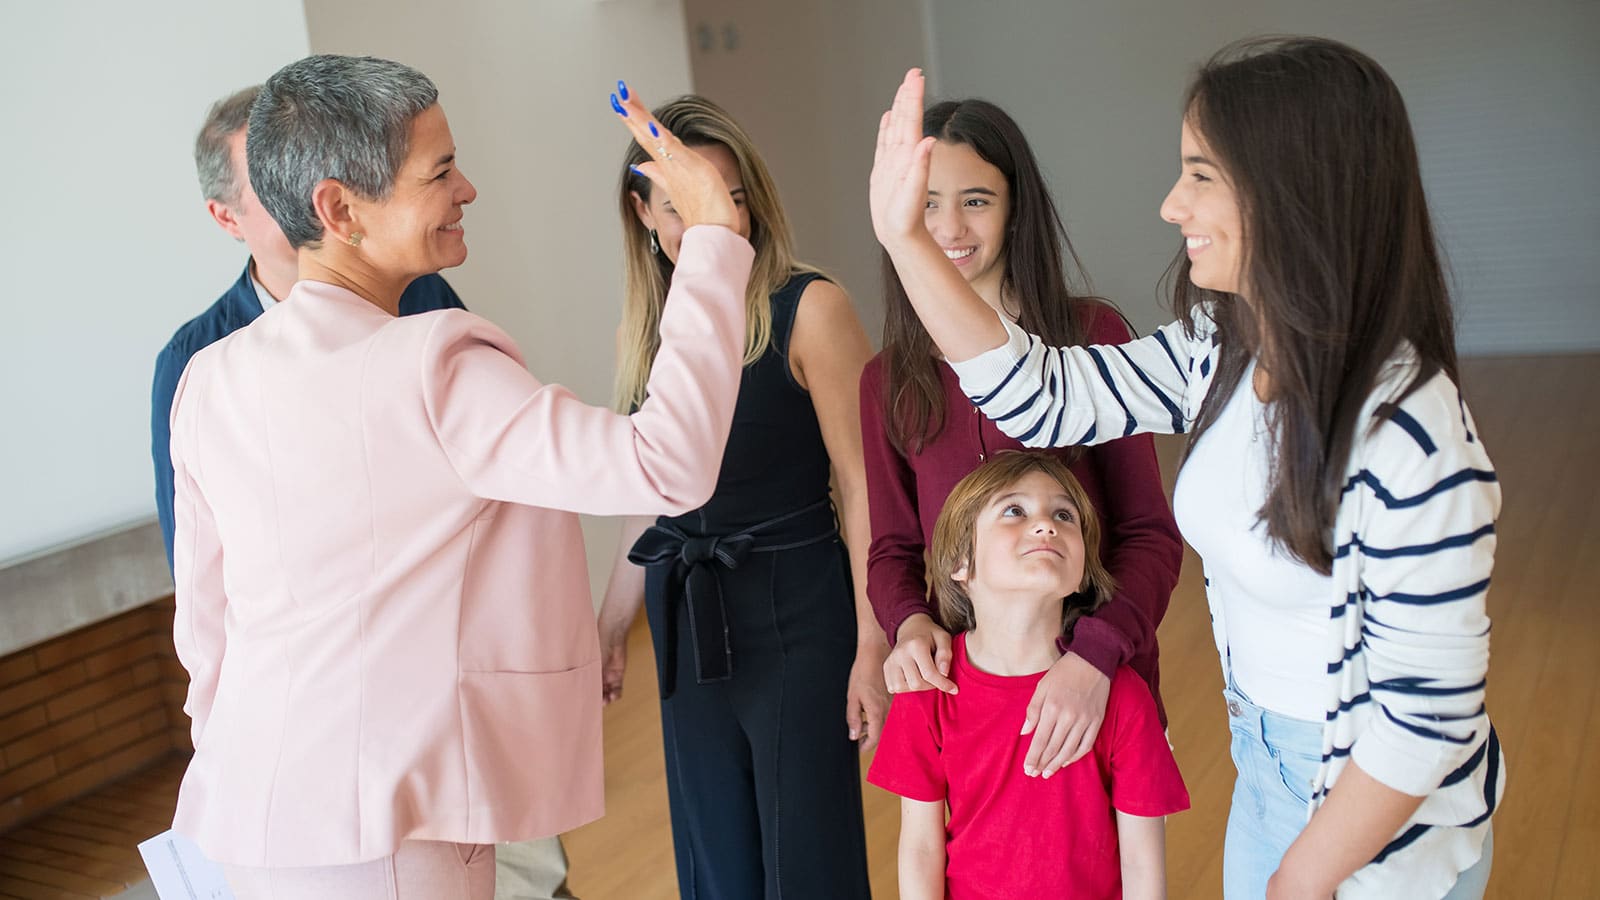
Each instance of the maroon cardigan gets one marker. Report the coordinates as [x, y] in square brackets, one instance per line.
[1140, 542]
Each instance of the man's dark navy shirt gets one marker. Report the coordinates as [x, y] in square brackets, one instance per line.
[237, 308]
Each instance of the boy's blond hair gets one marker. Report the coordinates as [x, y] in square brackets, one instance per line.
[955, 535]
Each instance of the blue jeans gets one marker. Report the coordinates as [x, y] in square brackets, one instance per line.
[1277, 757]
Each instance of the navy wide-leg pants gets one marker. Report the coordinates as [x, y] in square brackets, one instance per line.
[762, 778]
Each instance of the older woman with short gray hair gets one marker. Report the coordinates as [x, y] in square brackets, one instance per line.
[382, 600]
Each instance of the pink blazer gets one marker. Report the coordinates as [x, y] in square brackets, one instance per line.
[382, 599]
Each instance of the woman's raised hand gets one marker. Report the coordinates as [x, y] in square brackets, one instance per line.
[698, 192]
[899, 183]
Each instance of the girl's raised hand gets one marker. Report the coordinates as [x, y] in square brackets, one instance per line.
[698, 192]
[899, 184]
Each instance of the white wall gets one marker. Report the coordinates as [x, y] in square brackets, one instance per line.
[105, 243]
[1500, 95]
[525, 89]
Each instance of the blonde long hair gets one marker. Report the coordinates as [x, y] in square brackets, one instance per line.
[697, 122]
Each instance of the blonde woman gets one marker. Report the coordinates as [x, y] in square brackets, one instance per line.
[761, 641]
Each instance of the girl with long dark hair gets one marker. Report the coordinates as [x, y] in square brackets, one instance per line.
[1335, 484]
[992, 216]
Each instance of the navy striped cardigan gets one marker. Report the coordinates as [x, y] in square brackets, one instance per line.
[1408, 638]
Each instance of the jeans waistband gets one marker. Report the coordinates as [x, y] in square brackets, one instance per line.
[1274, 729]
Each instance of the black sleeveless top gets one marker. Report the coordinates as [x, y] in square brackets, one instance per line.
[776, 462]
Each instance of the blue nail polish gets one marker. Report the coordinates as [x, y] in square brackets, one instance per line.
[637, 171]
[653, 131]
[622, 89]
[617, 106]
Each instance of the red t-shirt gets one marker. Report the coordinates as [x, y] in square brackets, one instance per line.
[1010, 836]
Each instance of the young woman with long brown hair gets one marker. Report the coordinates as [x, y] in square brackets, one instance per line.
[1335, 484]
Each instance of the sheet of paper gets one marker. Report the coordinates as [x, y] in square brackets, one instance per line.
[179, 871]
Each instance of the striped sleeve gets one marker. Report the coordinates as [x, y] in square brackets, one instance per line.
[1064, 396]
[1427, 540]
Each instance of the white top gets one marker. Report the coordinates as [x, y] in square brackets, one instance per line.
[1272, 609]
[1406, 637]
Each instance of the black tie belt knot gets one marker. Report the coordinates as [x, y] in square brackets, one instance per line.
[693, 577]
[730, 551]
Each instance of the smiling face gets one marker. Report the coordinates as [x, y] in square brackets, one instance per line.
[969, 207]
[658, 215]
[417, 230]
[1028, 540]
[1205, 207]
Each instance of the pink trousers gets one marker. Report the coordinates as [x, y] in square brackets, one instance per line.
[419, 870]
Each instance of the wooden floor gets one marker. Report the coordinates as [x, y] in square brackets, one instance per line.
[1541, 422]
[87, 849]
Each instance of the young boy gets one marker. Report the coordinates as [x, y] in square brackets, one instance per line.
[1015, 560]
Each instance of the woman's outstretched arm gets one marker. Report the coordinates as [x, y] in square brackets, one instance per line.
[513, 438]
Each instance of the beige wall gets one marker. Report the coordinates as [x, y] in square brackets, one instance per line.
[524, 87]
[808, 81]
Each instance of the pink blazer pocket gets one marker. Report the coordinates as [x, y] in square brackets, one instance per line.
[534, 767]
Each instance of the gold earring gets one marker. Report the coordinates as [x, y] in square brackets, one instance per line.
[356, 238]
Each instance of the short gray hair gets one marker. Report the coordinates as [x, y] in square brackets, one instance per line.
[212, 161]
[342, 117]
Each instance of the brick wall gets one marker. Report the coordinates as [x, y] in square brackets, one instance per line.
[86, 708]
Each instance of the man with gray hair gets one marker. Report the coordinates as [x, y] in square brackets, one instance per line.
[536, 870]
[273, 268]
